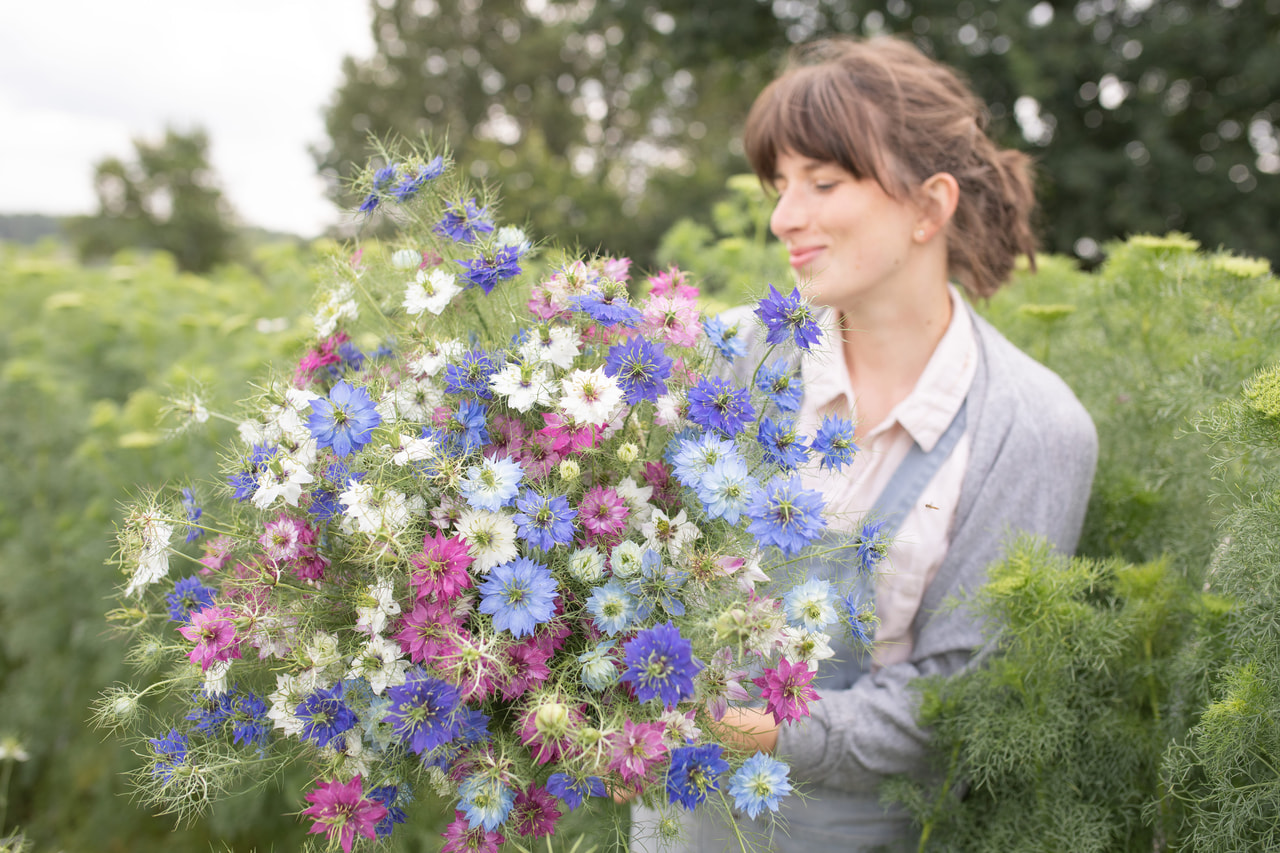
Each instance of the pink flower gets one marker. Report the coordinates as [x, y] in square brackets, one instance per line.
[428, 631]
[506, 437]
[216, 553]
[722, 684]
[635, 748]
[786, 690]
[527, 663]
[289, 541]
[318, 359]
[342, 810]
[459, 837]
[677, 320]
[441, 567]
[474, 669]
[665, 488]
[672, 282]
[568, 439]
[603, 513]
[214, 634]
[534, 813]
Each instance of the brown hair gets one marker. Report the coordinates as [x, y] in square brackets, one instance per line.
[881, 109]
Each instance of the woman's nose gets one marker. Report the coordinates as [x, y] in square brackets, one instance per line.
[788, 215]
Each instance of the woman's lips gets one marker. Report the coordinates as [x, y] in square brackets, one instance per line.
[804, 256]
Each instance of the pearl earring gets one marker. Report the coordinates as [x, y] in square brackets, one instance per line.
[919, 233]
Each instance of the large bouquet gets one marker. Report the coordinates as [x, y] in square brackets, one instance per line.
[520, 543]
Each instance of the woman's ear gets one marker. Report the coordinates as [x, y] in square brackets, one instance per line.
[936, 200]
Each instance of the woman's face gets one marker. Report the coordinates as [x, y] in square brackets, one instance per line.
[846, 237]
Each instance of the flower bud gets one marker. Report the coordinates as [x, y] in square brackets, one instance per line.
[570, 470]
[628, 453]
[552, 719]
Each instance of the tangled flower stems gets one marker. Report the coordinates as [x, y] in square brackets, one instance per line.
[660, 665]
[759, 784]
[345, 421]
[786, 691]
[341, 810]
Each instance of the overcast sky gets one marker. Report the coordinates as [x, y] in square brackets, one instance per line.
[79, 79]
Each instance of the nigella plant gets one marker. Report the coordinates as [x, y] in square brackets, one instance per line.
[516, 540]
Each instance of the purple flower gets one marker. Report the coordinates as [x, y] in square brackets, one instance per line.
[413, 181]
[387, 796]
[786, 515]
[783, 446]
[170, 750]
[471, 375]
[422, 711]
[487, 270]
[693, 773]
[859, 616]
[245, 481]
[248, 719]
[573, 791]
[834, 442]
[788, 316]
[612, 309]
[325, 716]
[345, 421]
[193, 512]
[640, 367]
[188, 595]
[716, 404]
[519, 595]
[660, 665]
[781, 384]
[462, 223]
[872, 545]
[543, 521]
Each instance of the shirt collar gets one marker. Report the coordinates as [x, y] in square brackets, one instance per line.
[928, 410]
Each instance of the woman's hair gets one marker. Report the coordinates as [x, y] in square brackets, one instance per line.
[881, 109]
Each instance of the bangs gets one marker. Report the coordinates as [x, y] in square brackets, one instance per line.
[810, 113]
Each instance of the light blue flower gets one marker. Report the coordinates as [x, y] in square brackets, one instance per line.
[519, 595]
[611, 607]
[759, 784]
[727, 488]
[811, 605]
[485, 801]
[492, 483]
[698, 455]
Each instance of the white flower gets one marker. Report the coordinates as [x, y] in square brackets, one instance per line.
[282, 477]
[626, 559]
[414, 449]
[590, 397]
[513, 237]
[376, 606]
[11, 749]
[628, 453]
[433, 361]
[492, 537]
[680, 728]
[808, 646]
[663, 533]
[288, 695]
[431, 291]
[355, 760]
[215, 678]
[557, 345]
[587, 565]
[153, 556]
[406, 259]
[667, 408]
[320, 654]
[415, 400]
[637, 498]
[382, 662]
[570, 470]
[372, 513]
[524, 386]
[337, 306]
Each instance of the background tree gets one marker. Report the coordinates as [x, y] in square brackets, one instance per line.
[166, 198]
[607, 120]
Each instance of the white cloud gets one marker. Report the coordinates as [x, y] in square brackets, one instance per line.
[80, 78]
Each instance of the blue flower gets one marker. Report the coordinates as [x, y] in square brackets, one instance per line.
[188, 595]
[788, 316]
[325, 717]
[471, 375]
[693, 773]
[610, 309]
[384, 176]
[413, 180]
[611, 607]
[860, 617]
[759, 784]
[210, 712]
[810, 605]
[660, 665]
[469, 426]
[170, 750]
[727, 489]
[698, 454]
[487, 270]
[872, 545]
[193, 514]
[717, 404]
[248, 719]
[345, 421]
[334, 480]
[659, 585]
[726, 337]
[572, 791]
[352, 359]
[640, 367]
[786, 515]
[782, 445]
[462, 225]
[492, 483]
[781, 385]
[387, 796]
[485, 801]
[544, 521]
[519, 595]
[834, 442]
[422, 711]
[245, 481]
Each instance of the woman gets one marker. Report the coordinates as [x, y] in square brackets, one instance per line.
[888, 190]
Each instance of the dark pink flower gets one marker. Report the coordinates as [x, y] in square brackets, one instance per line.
[214, 633]
[672, 282]
[603, 513]
[786, 690]
[318, 359]
[440, 568]
[635, 748]
[534, 813]
[428, 631]
[459, 837]
[506, 437]
[527, 664]
[342, 810]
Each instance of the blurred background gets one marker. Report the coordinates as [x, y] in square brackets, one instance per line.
[172, 179]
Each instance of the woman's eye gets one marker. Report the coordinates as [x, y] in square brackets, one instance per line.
[825, 186]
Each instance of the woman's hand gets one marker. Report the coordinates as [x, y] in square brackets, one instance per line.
[751, 729]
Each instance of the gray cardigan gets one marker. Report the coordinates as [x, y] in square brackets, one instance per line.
[1032, 456]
